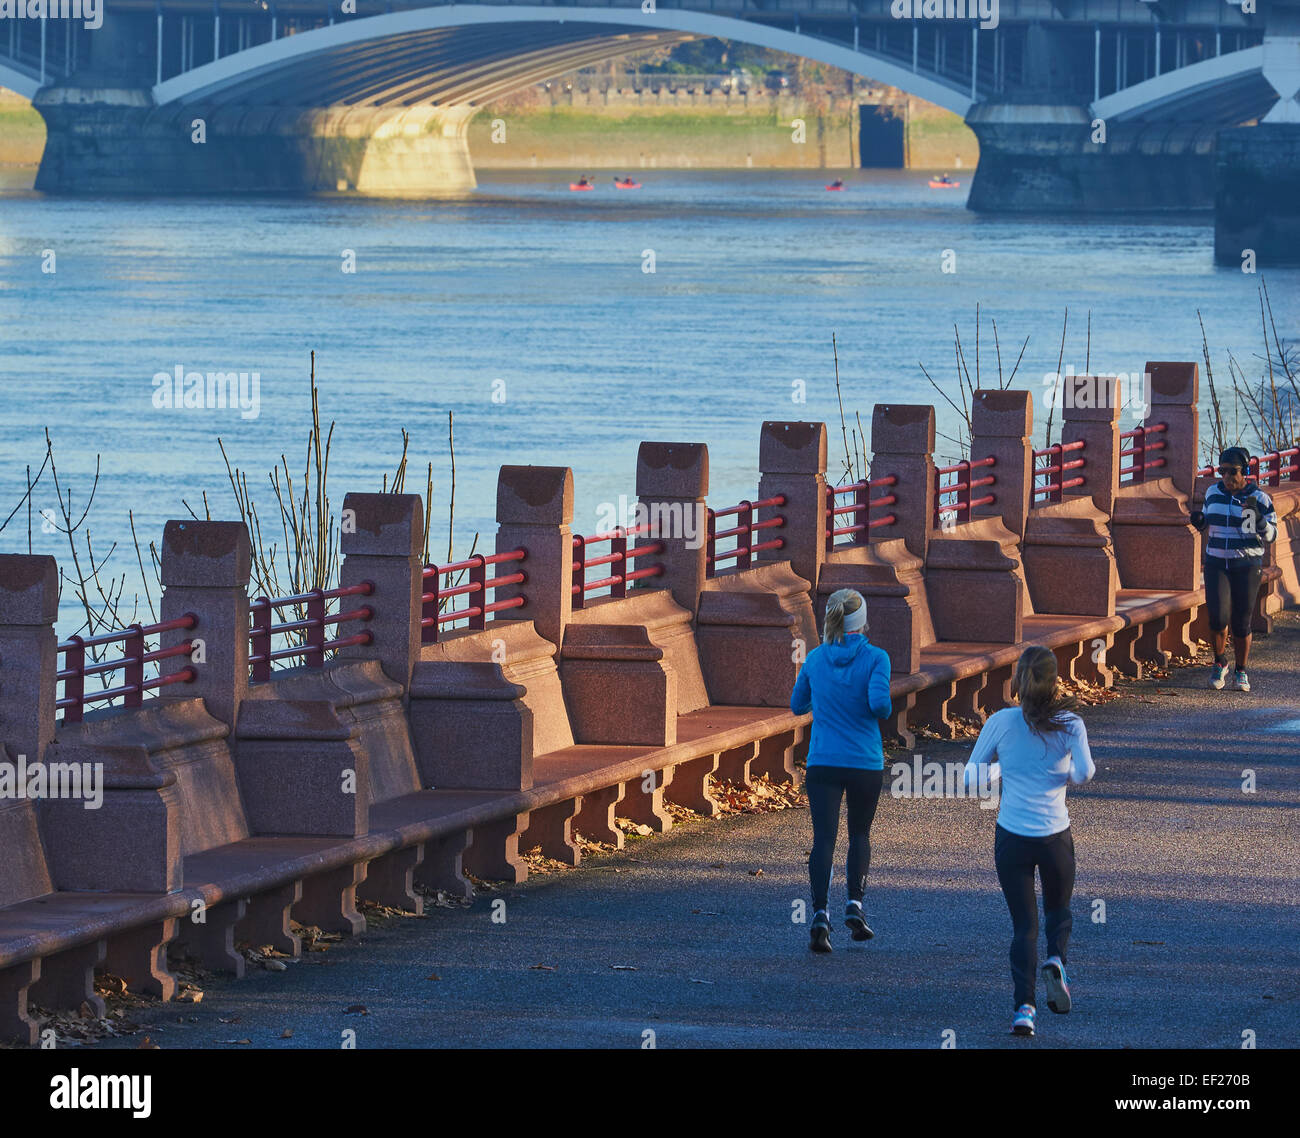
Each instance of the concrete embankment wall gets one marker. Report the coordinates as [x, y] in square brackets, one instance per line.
[606, 131]
[619, 130]
[22, 135]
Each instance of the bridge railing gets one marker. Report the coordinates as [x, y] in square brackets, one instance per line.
[1136, 471]
[619, 558]
[136, 654]
[1270, 469]
[742, 534]
[962, 488]
[476, 589]
[856, 514]
[1052, 475]
[307, 630]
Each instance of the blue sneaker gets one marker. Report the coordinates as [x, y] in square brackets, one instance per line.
[1058, 988]
[1218, 676]
[1241, 681]
[1023, 1023]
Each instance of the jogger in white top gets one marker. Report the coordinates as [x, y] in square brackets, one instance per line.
[1035, 750]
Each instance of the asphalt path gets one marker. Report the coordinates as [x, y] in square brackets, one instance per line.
[1185, 919]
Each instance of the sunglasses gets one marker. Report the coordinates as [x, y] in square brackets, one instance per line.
[1230, 470]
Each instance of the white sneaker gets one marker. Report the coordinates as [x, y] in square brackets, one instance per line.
[1242, 681]
[1218, 676]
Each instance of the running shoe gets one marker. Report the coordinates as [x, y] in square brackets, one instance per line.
[1058, 988]
[856, 921]
[1242, 681]
[819, 936]
[1218, 676]
[1023, 1023]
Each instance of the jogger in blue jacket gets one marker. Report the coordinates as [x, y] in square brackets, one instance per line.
[844, 682]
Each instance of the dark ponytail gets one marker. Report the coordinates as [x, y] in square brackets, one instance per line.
[1042, 703]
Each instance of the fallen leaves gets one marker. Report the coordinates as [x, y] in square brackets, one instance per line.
[441, 899]
[634, 829]
[539, 863]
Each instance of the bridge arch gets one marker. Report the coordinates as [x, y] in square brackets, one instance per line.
[21, 82]
[467, 53]
[1225, 90]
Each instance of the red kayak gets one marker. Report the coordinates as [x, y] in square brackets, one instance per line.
[841, 187]
[627, 185]
[937, 185]
[580, 186]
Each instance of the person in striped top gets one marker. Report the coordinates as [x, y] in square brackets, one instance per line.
[1238, 520]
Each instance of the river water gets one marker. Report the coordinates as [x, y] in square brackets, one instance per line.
[540, 297]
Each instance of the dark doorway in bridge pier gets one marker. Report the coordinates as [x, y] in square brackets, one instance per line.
[882, 136]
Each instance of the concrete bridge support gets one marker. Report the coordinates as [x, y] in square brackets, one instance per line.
[1037, 158]
[115, 140]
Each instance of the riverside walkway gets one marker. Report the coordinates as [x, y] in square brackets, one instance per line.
[1201, 940]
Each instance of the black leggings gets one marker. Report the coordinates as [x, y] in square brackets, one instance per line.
[1016, 858]
[1231, 592]
[826, 786]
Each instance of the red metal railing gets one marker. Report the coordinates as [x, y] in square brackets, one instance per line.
[1138, 452]
[479, 585]
[312, 627]
[743, 532]
[619, 555]
[962, 488]
[859, 509]
[1053, 473]
[131, 691]
[1273, 459]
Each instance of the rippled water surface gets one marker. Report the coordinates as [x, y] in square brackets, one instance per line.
[527, 283]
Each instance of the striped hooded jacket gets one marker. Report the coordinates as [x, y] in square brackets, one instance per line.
[1232, 531]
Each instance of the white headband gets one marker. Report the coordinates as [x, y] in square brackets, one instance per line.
[856, 620]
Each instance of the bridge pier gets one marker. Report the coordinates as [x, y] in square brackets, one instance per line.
[1042, 158]
[115, 140]
[1257, 195]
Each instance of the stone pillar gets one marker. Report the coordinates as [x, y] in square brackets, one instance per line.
[1098, 427]
[1175, 388]
[792, 461]
[672, 482]
[535, 511]
[902, 444]
[1003, 426]
[205, 570]
[29, 606]
[383, 543]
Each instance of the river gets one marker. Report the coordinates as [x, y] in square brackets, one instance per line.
[527, 311]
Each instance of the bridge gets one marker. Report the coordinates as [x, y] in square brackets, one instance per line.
[298, 94]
